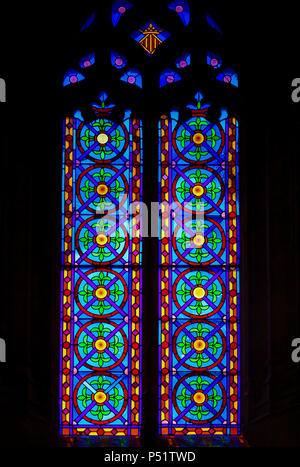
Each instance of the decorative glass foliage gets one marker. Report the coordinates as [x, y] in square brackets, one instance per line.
[102, 107]
[87, 61]
[199, 275]
[212, 23]
[181, 7]
[228, 76]
[119, 8]
[71, 77]
[133, 77]
[213, 60]
[101, 277]
[150, 36]
[184, 61]
[168, 76]
[117, 60]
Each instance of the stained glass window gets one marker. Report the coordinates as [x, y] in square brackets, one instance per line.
[100, 375]
[199, 275]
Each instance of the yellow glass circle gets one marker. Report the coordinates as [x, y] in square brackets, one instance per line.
[197, 191]
[102, 138]
[100, 344]
[199, 293]
[198, 138]
[100, 397]
[102, 189]
[101, 293]
[101, 239]
[199, 240]
[199, 398]
[199, 345]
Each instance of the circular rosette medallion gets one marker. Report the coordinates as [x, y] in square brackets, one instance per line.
[198, 293]
[102, 241]
[100, 345]
[198, 190]
[100, 399]
[101, 293]
[199, 241]
[102, 189]
[198, 140]
[102, 140]
[200, 345]
[199, 399]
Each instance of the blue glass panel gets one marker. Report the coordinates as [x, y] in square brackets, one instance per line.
[71, 77]
[212, 23]
[228, 76]
[117, 60]
[100, 355]
[168, 76]
[181, 7]
[184, 61]
[88, 22]
[87, 61]
[119, 8]
[199, 370]
[213, 60]
[133, 77]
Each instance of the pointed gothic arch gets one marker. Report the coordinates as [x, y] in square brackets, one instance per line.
[155, 90]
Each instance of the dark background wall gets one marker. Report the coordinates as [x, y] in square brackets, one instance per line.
[37, 47]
